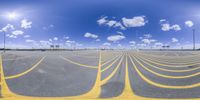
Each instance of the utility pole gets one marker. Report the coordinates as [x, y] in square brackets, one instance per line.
[193, 39]
[4, 42]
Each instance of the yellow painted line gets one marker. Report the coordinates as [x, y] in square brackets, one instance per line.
[180, 63]
[170, 57]
[165, 76]
[167, 70]
[162, 85]
[27, 71]
[127, 92]
[111, 64]
[92, 94]
[110, 60]
[173, 66]
[83, 65]
[113, 73]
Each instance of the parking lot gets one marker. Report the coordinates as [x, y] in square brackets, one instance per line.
[95, 74]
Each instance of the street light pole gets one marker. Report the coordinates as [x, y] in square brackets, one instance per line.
[193, 39]
[4, 42]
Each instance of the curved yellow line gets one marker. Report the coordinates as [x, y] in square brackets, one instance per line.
[25, 72]
[175, 63]
[110, 64]
[87, 66]
[106, 62]
[170, 57]
[112, 74]
[162, 85]
[173, 66]
[166, 76]
[167, 70]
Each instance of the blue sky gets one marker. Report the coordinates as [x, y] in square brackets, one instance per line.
[102, 23]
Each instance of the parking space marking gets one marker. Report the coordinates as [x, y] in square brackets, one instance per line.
[113, 72]
[161, 85]
[167, 70]
[165, 76]
[27, 71]
[76, 63]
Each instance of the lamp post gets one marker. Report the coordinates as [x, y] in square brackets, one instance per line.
[4, 42]
[193, 39]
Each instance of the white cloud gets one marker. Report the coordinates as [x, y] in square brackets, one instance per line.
[90, 35]
[43, 42]
[157, 44]
[69, 41]
[189, 23]
[137, 21]
[110, 23]
[17, 32]
[27, 36]
[66, 37]
[165, 26]
[55, 38]
[147, 36]
[98, 40]
[106, 44]
[174, 40]
[26, 24]
[176, 27]
[132, 42]
[11, 36]
[102, 21]
[115, 38]
[30, 41]
[163, 20]
[8, 27]
[148, 41]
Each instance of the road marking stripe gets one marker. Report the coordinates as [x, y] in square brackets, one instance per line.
[27, 71]
[165, 76]
[169, 57]
[83, 65]
[113, 72]
[106, 62]
[167, 70]
[162, 85]
[172, 66]
[192, 61]
[109, 66]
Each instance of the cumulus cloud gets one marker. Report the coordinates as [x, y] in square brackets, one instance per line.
[18, 32]
[189, 23]
[90, 35]
[174, 40]
[7, 28]
[115, 38]
[157, 44]
[110, 23]
[137, 21]
[176, 27]
[55, 38]
[132, 42]
[30, 41]
[26, 24]
[148, 41]
[147, 36]
[102, 21]
[165, 26]
[27, 36]
[106, 44]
